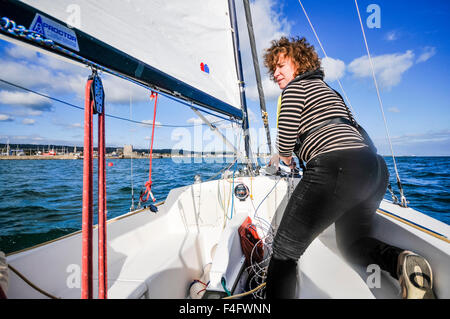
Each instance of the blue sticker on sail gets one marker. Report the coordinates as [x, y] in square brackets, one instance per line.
[55, 31]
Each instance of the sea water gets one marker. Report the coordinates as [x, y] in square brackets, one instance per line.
[42, 199]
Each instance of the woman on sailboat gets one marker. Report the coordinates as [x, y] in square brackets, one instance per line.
[343, 183]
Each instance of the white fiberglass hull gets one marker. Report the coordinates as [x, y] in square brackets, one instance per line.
[159, 255]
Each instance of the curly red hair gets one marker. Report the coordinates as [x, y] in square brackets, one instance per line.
[303, 55]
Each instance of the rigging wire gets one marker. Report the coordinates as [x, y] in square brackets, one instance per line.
[326, 56]
[402, 196]
[109, 115]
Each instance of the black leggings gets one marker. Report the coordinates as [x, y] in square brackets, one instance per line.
[342, 187]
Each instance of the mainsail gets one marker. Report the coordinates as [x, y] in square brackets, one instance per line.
[182, 47]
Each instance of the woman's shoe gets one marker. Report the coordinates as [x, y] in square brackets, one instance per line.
[415, 276]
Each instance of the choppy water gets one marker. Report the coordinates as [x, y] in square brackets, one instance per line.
[41, 199]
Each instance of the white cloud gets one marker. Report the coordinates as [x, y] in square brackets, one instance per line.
[430, 143]
[20, 52]
[251, 115]
[394, 110]
[428, 52]
[28, 121]
[427, 137]
[270, 89]
[268, 25]
[334, 68]
[47, 73]
[65, 125]
[150, 122]
[118, 90]
[391, 36]
[389, 68]
[37, 75]
[34, 112]
[38, 139]
[76, 125]
[25, 99]
[5, 118]
[197, 120]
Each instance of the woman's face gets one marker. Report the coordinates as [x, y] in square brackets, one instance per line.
[284, 71]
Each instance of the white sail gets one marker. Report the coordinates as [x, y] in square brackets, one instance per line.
[189, 40]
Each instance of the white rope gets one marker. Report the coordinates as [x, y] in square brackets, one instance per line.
[403, 199]
[258, 270]
[326, 56]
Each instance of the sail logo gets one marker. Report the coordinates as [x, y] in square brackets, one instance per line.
[204, 67]
[38, 27]
[54, 31]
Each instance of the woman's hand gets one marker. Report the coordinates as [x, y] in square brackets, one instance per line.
[274, 160]
[288, 161]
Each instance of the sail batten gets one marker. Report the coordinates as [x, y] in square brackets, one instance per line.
[184, 48]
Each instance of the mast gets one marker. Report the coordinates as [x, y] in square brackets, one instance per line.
[237, 53]
[262, 101]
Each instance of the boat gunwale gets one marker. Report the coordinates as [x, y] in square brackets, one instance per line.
[129, 214]
[412, 224]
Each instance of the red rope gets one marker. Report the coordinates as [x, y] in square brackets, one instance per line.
[148, 184]
[102, 260]
[87, 217]
[86, 270]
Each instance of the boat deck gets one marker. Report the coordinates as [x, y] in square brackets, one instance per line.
[324, 274]
[159, 255]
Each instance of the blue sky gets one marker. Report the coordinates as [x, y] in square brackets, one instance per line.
[410, 51]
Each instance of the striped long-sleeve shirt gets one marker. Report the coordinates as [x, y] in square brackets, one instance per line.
[308, 103]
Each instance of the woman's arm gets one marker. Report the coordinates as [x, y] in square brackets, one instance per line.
[292, 104]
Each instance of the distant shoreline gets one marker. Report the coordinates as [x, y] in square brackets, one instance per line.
[74, 157]
[155, 156]
[61, 157]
